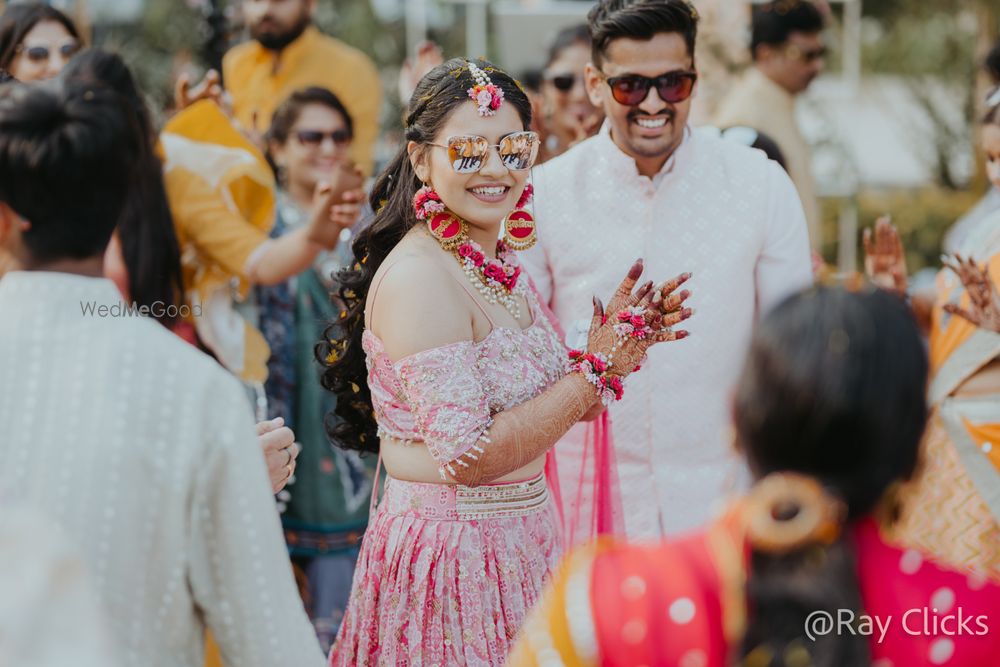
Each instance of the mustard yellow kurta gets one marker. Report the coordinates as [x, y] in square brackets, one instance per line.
[259, 80]
[221, 195]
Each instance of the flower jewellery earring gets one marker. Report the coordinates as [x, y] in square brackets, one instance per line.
[447, 228]
[519, 227]
[496, 279]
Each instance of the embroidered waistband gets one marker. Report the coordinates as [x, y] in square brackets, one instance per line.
[463, 503]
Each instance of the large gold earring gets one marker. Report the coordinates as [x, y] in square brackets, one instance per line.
[449, 229]
[519, 232]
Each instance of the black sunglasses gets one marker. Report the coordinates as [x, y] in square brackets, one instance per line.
[563, 82]
[632, 89]
[39, 54]
[315, 137]
[811, 56]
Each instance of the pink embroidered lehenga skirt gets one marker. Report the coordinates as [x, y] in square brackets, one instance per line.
[447, 574]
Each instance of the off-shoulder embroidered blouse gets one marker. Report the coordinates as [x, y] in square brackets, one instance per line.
[446, 397]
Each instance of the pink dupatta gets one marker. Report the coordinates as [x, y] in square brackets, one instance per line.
[598, 466]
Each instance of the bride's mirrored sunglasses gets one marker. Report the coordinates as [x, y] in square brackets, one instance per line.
[468, 153]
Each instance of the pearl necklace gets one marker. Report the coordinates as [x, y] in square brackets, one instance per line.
[496, 279]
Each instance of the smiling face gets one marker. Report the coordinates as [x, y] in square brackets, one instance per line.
[651, 130]
[44, 52]
[483, 198]
[306, 161]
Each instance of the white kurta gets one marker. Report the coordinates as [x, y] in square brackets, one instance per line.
[143, 450]
[719, 210]
[49, 615]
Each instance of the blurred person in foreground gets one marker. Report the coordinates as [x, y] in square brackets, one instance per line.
[163, 487]
[788, 54]
[952, 508]
[143, 257]
[49, 613]
[326, 514]
[992, 64]
[288, 53]
[647, 185]
[567, 114]
[829, 412]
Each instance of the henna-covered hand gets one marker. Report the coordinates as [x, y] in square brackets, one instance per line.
[626, 352]
[524, 433]
[984, 301]
[885, 261]
[672, 306]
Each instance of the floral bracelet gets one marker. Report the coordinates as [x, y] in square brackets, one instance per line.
[594, 368]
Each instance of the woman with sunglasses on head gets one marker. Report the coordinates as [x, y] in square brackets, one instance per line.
[36, 41]
[568, 116]
[453, 372]
[326, 509]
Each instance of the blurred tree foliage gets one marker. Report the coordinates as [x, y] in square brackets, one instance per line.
[929, 39]
[171, 34]
[168, 33]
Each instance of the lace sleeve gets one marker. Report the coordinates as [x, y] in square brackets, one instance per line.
[450, 411]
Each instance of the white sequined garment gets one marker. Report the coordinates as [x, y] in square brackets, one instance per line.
[49, 616]
[719, 210]
[143, 450]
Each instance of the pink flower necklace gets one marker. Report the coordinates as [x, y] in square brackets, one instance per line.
[496, 279]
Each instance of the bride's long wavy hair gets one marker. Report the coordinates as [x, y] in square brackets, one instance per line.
[352, 424]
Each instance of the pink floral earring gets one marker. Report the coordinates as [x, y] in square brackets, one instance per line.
[447, 228]
[519, 232]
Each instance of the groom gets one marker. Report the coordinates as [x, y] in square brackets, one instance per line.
[691, 203]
